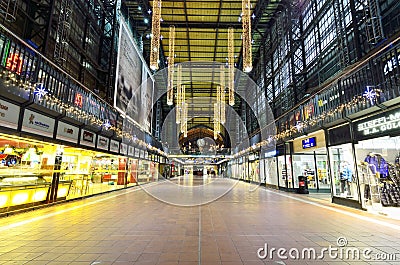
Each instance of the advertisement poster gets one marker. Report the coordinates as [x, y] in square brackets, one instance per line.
[9, 114]
[38, 123]
[127, 97]
[131, 151]
[133, 85]
[121, 171]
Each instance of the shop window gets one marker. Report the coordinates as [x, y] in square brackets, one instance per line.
[343, 171]
[378, 162]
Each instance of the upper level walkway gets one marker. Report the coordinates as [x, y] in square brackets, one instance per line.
[223, 222]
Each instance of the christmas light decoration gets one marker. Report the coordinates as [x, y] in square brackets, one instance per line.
[231, 66]
[171, 62]
[246, 36]
[155, 35]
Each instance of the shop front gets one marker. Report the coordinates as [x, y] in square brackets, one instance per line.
[377, 152]
[284, 164]
[343, 167]
[269, 169]
[310, 160]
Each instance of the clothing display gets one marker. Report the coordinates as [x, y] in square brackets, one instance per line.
[377, 164]
[346, 173]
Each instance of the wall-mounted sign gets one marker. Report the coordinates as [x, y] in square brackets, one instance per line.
[114, 146]
[67, 132]
[102, 142]
[309, 142]
[9, 114]
[137, 153]
[37, 123]
[88, 138]
[380, 124]
[123, 149]
[131, 151]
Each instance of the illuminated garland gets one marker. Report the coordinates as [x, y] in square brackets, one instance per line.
[246, 36]
[231, 66]
[171, 62]
[155, 35]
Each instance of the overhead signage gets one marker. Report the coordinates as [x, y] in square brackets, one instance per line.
[383, 123]
[131, 151]
[67, 132]
[9, 114]
[114, 146]
[88, 138]
[137, 153]
[37, 123]
[123, 149]
[309, 142]
[102, 142]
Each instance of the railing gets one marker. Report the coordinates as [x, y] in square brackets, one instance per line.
[374, 81]
[28, 74]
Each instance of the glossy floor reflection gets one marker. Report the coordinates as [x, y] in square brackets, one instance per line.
[132, 227]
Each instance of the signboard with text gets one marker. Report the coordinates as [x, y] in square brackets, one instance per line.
[9, 114]
[67, 132]
[309, 142]
[37, 123]
[385, 123]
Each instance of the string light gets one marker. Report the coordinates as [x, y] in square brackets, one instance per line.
[179, 95]
[246, 36]
[171, 62]
[222, 95]
[231, 66]
[155, 33]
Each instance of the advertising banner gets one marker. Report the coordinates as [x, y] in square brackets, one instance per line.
[102, 142]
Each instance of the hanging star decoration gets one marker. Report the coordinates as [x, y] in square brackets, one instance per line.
[370, 94]
[106, 124]
[40, 91]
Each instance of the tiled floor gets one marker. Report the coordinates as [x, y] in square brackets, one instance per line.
[134, 227]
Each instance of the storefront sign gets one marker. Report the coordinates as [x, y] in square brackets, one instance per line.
[384, 123]
[114, 146]
[137, 153]
[88, 138]
[9, 114]
[131, 151]
[37, 123]
[309, 142]
[102, 142]
[67, 132]
[124, 149]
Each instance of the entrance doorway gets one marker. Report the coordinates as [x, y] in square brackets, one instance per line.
[314, 166]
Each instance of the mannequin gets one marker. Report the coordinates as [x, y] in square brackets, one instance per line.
[346, 177]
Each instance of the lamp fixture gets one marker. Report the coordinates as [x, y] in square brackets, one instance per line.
[155, 32]
[246, 36]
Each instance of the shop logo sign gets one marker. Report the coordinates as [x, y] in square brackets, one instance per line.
[380, 125]
[88, 136]
[38, 123]
[5, 108]
[69, 131]
[102, 142]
